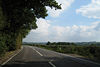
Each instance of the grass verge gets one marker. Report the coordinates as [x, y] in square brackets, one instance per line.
[8, 55]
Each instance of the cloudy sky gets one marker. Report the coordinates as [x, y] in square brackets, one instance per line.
[77, 21]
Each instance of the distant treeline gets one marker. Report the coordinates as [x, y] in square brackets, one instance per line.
[74, 43]
[88, 43]
[60, 43]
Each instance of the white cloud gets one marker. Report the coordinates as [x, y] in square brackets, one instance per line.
[91, 10]
[43, 26]
[47, 32]
[65, 5]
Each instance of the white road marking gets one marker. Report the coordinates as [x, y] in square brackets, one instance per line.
[52, 64]
[10, 58]
[38, 52]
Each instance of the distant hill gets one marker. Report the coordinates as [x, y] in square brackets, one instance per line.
[88, 43]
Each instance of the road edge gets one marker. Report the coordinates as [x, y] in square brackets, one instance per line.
[12, 57]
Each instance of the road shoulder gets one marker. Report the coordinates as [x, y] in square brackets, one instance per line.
[8, 56]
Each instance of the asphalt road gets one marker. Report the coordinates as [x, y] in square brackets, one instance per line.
[37, 57]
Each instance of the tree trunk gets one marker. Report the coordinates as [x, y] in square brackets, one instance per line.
[18, 41]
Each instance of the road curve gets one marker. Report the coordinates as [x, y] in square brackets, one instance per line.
[37, 57]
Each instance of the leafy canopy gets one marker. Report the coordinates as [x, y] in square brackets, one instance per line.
[18, 17]
[22, 14]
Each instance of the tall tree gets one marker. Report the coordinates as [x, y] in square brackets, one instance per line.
[21, 17]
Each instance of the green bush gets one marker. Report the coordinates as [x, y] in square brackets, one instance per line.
[3, 47]
[97, 53]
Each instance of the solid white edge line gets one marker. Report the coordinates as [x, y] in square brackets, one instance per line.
[38, 52]
[52, 64]
[11, 57]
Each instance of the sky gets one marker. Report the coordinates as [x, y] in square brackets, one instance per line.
[77, 21]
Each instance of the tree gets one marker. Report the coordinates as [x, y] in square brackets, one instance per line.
[48, 43]
[21, 16]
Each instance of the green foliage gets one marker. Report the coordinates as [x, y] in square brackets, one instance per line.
[48, 43]
[18, 17]
[22, 14]
[1, 19]
[60, 43]
[97, 52]
[3, 47]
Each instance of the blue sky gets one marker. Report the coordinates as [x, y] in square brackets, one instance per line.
[70, 17]
[78, 20]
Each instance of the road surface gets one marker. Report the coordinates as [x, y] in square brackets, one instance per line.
[37, 57]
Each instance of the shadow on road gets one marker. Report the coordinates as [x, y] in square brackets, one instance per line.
[28, 64]
[62, 61]
[58, 62]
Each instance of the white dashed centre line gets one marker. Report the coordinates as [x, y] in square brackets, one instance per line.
[42, 55]
[38, 52]
[52, 64]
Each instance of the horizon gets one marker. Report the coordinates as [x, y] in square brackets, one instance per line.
[56, 42]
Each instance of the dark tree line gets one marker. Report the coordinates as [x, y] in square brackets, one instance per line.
[18, 17]
[60, 43]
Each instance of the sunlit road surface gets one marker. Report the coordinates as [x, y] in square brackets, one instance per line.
[37, 57]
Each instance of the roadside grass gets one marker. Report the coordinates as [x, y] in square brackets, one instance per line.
[87, 52]
[7, 55]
